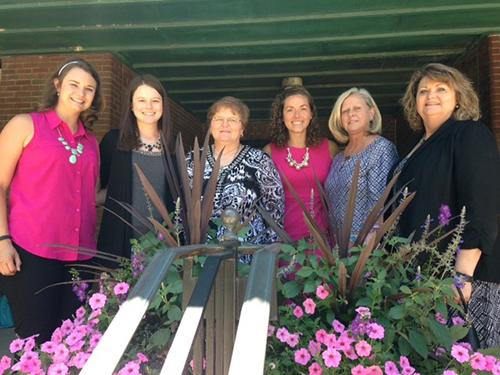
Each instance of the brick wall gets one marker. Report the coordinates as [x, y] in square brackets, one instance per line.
[23, 79]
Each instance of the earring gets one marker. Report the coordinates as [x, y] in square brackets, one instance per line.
[58, 93]
[457, 106]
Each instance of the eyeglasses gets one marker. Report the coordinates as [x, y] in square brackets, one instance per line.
[232, 121]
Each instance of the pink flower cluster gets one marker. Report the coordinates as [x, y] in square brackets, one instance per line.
[70, 346]
[340, 348]
[467, 360]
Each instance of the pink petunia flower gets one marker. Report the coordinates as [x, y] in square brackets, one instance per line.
[309, 306]
[121, 288]
[97, 301]
[66, 327]
[358, 370]
[375, 331]
[440, 318]
[143, 358]
[320, 336]
[80, 359]
[48, 347]
[302, 356]
[404, 362]
[29, 344]
[374, 370]
[496, 369]
[57, 336]
[298, 312]
[80, 312]
[292, 340]
[61, 354]
[282, 334]
[270, 330]
[457, 321]
[460, 353]
[478, 362]
[449, 372]
[5, 362]
[408, 371]
[363, 349]
[16, 345]
[364, 312]
[315, 369]
[351, 354]
[490, 362]
[338, 327]
[321, 292]
[330, 340]
[331, 357]
[391, 368]
[314, 347]
[57, 369]
[130, 368]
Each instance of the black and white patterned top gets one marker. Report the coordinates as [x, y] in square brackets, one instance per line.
[251, 177]
[376, 162]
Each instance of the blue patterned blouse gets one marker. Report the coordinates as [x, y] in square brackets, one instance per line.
[376, 162]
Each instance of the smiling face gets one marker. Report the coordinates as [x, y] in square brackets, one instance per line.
[436, 102]
[226, 127]
[147, 105]
[297, 113]
[356, 115]
[76, 91]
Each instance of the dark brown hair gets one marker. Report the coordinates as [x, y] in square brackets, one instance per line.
[279, 132]
[50, 97]
[129, 132]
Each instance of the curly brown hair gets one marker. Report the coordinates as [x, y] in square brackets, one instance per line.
[279, 132]
[467, 100]
[50, 98]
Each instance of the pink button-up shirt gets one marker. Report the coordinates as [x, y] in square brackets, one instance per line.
[51, 200]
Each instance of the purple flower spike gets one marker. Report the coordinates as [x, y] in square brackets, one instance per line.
[444, 215]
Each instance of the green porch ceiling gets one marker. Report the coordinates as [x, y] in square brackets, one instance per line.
[204, 49]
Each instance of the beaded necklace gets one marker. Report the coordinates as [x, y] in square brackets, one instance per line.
[294, 163]
[75, 153]
[150, 147]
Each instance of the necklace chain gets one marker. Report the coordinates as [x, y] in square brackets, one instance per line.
[75, 152]
[294, 163]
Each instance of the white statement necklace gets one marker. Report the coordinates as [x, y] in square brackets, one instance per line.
[294, 163]
[75, 153]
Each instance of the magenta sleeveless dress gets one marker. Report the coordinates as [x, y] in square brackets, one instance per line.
[303, 182]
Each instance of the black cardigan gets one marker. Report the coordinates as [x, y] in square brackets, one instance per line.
[116, 174]
[458, 165]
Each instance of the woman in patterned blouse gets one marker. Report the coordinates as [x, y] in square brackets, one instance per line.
[356, 121]
[247, 175]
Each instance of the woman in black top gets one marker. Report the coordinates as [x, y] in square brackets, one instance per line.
[145, 117]
[456, 163]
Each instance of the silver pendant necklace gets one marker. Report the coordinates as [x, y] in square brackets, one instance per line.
[75, 153]
[294, 163]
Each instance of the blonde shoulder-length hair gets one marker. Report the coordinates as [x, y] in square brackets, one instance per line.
[335, 120]
[467, 100]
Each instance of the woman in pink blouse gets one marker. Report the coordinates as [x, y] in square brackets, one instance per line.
[300, 156]
[50, 163]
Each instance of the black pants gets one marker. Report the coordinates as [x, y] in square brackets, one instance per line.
[38, 312]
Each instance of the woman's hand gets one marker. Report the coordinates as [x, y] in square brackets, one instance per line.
[10, 263]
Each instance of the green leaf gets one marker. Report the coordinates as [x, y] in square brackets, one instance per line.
[441, 308]
[310, 286]
[397, 312]
[176, 287]
[440, 332]
[174, 313]
[417, 342]
[458, 332]
[404, 289]
[291, 289]
[305, 272]
[404, 346]
[363, 301]
[160, 337]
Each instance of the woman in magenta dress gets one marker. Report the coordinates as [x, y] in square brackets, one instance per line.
[300, 156]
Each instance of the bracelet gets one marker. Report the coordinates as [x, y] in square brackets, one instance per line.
[5, 237]
[464, 277]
